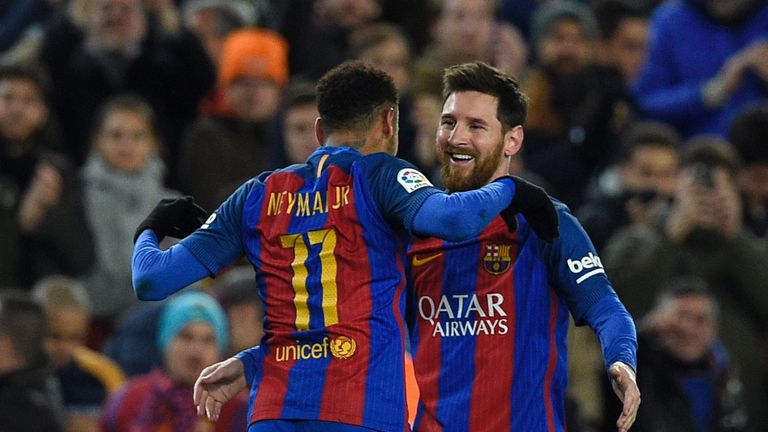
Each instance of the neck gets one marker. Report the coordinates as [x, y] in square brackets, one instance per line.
[362, 143]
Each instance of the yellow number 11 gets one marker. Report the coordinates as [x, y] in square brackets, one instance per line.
[327, 239]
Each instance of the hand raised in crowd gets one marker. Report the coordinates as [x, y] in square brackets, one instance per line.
[757, 59]
[714, 207]
[720, 88]
[216, 385]
[44, 191]
[727, 204]
[624, 383]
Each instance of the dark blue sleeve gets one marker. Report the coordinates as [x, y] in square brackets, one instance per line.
[406, 196]
[219, 242]
[615, 329]
[157, 274]
[251, 359]
[579, 277]
[574, 266]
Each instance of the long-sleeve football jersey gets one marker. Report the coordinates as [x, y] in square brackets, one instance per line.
[489, 318]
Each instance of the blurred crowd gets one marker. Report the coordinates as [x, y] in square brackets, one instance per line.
[649, 119]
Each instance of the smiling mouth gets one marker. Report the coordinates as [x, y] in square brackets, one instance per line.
[460, 158]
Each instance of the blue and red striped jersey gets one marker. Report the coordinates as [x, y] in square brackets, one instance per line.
[488, 319]
[326, 239]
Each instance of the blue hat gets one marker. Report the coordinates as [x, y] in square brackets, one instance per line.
[187, 308]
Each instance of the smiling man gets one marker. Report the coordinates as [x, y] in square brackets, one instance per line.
[489, 315]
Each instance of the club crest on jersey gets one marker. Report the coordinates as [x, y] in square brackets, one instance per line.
[497, 259]
[411, 179]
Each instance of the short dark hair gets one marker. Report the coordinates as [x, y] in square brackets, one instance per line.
[300, 91]
[684, 286]
[128, 102]
[710, 151]
[648, 133]
[28, 72]
[351, 95]
[611, 13]
[24, 322]
[377, 34]
[749, 134]
[481, 77]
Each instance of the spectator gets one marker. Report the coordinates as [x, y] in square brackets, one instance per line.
[387, 47]
[749, 135]
[623, 41]
[702, 234]
[646, 180]
[41, 210]
[212, 21]
[578, 109]
[465, 31]
[222, 150]
[701, 92]
[29, 400]
[86, 377]
[191, 334]
[321, 39]
[133, 344]
[239, 297]
[689, 381]
[122, 180]
[296, 140]
[121, 47]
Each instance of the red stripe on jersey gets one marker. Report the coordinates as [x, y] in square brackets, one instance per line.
[400, 325]
[345, 379]
[494, 353]
[428, 271]
[552, 361]
[277, 273]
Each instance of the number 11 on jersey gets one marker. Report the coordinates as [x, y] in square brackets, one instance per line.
[301, 253]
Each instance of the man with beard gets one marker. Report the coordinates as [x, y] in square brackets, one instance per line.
[327, 241]
[578, 108]
[489, 316]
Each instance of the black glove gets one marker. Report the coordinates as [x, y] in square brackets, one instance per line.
[175, 217]
[534, 203]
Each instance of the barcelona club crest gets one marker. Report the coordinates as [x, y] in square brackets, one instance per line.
[498, 258]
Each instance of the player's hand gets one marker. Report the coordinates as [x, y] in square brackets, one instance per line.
[534, 203]
[176, 217]
[624, 385]
[218, 384]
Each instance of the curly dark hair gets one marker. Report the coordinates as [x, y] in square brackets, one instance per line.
[351, 95]
[481, 77]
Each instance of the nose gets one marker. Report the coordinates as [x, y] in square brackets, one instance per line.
[458, 135]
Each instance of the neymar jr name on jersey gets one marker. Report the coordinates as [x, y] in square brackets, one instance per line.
[308, 203]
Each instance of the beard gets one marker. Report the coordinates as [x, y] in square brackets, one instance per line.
[458, 179]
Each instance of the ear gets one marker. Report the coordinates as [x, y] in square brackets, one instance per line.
[513, 141]
[389, 122]
[319, 133]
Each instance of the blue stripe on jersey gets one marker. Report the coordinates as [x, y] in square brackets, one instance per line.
[532, 311]
[383, 323]
[456, 389]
